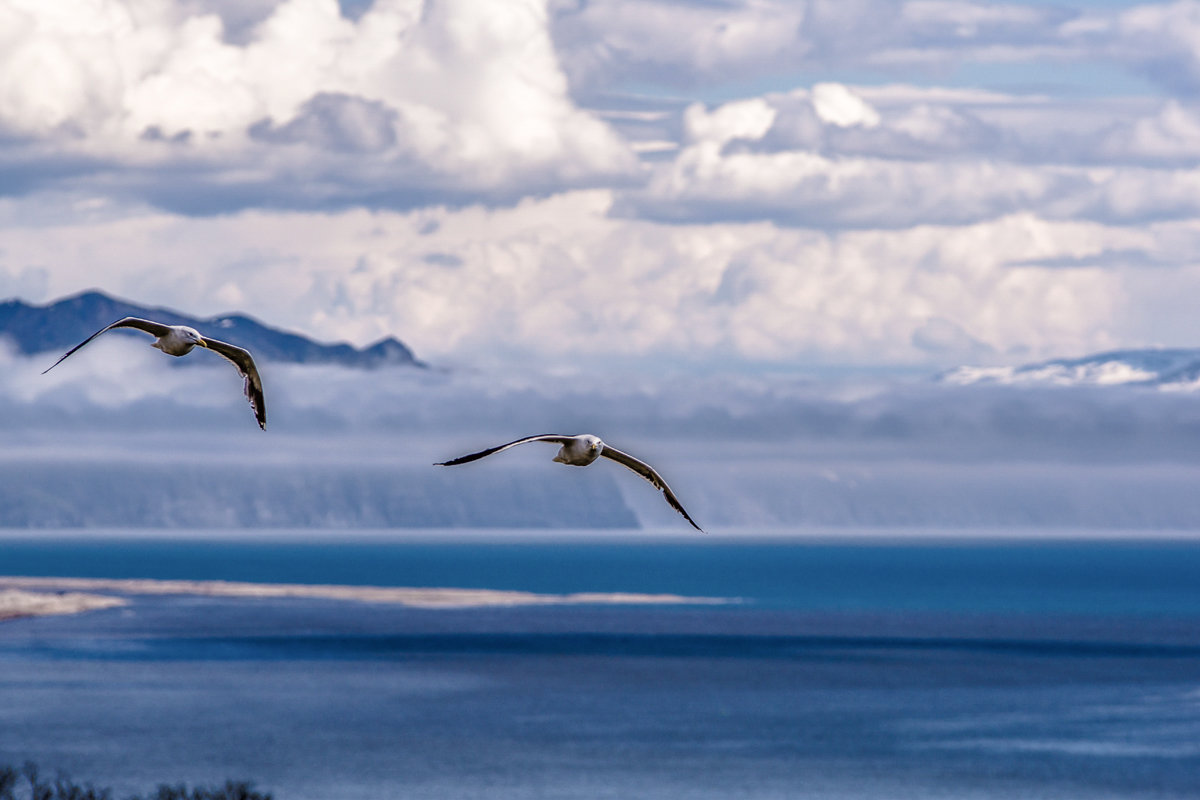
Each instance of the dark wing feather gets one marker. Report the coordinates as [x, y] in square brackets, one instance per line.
[155, 329]
[647, 472]
[245, 364]
[545, 437]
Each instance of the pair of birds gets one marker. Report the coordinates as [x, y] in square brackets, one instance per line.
[577, 451]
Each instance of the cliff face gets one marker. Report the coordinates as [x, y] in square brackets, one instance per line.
[182, 495]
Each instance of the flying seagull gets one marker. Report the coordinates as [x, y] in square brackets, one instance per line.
[581, 450]
[178, 340]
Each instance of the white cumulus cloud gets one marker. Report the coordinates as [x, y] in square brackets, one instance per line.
[509, 181]
[560, 280]
[455, 97]
[837, 105]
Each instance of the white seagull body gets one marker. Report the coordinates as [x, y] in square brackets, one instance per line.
[179, 340]
[581, 450]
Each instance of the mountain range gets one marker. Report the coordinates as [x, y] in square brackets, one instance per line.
[64, 323]
[1161, 368]
[61, 324]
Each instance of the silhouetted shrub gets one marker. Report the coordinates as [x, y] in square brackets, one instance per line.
[230, 791]
[8, 783]
[63, 788]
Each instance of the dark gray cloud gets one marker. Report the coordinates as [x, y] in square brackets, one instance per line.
[311, 166]
[240, 17]
[940, 336]
[841, 193]
[337, 122]
[28, 167]
[442, 259]
[1108, 259]
[608, 44]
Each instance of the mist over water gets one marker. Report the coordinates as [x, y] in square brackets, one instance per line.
[174, 445]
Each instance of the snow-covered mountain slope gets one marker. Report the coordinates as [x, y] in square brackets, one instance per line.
[1168, 369]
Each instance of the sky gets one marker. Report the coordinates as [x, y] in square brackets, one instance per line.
[709, 185]
[734, 237]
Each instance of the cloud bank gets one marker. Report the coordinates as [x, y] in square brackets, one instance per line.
[711, 185]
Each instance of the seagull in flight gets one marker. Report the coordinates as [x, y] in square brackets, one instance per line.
[581, 450]
[179, 340]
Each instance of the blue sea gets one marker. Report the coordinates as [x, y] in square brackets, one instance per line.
[884, 668]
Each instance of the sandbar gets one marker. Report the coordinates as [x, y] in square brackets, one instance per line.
[392, 595]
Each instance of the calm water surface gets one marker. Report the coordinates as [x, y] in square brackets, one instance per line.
[901, 669]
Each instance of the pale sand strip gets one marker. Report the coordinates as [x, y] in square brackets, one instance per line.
[416, 598]
[20, 603]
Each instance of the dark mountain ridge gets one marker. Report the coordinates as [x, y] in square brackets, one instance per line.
[62, 324]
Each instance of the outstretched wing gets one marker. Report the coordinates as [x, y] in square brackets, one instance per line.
[648, 472]
[545, 437]
[155, 329]
[245, 364]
